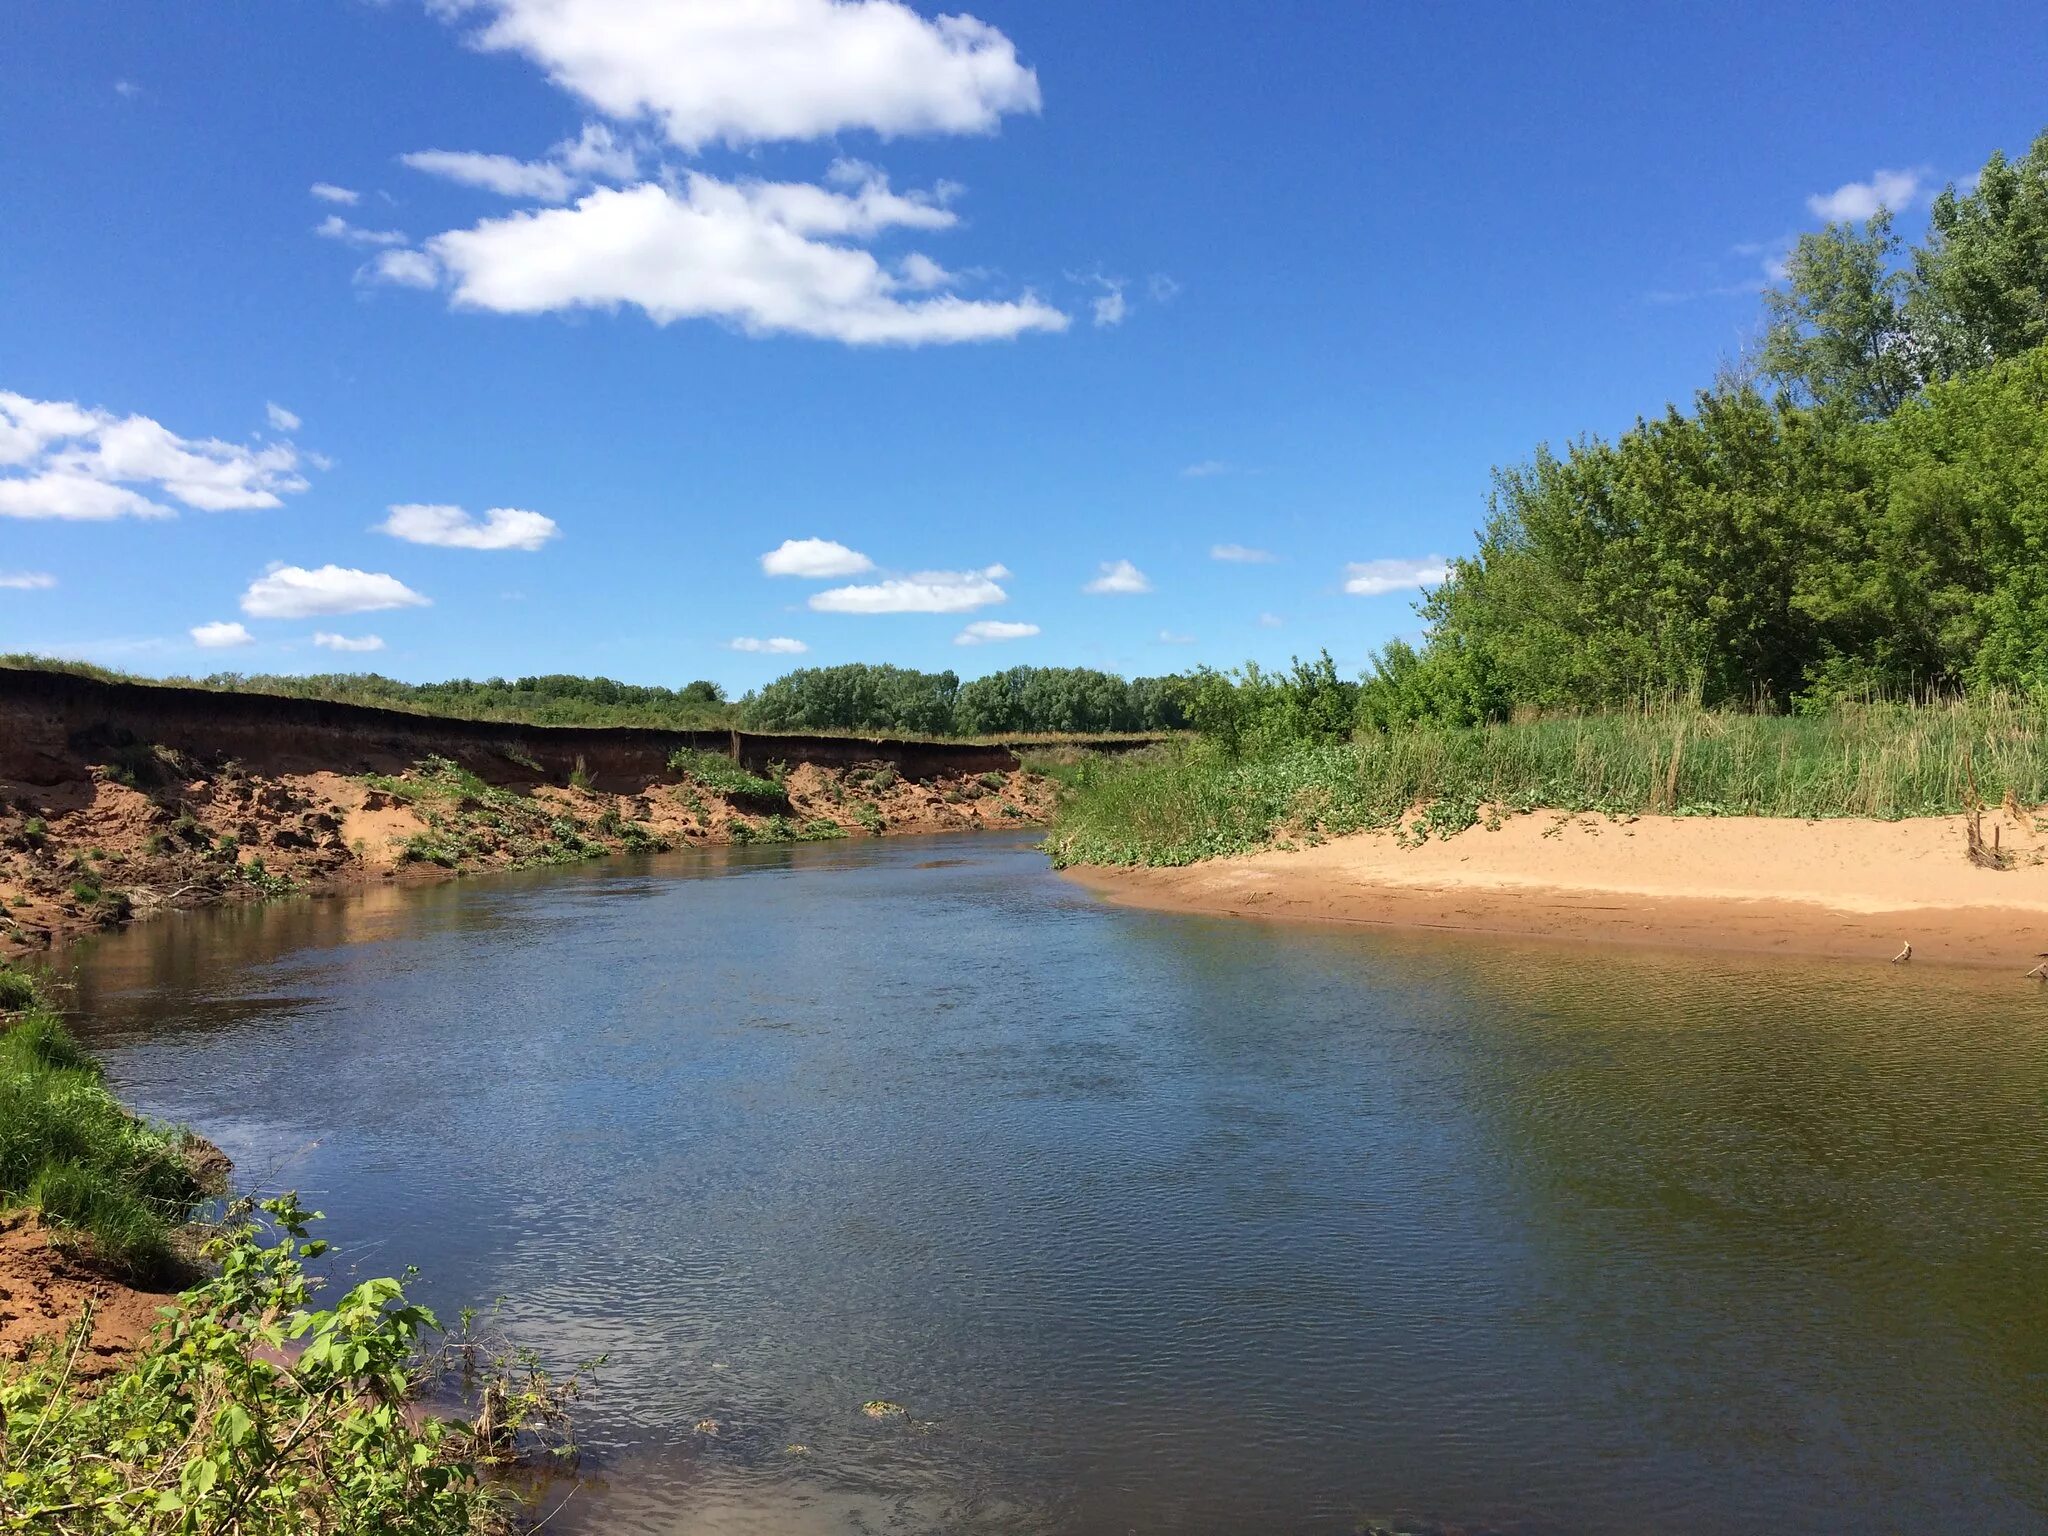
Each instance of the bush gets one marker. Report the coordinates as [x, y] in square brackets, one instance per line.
[212, 1429]
[723, 776]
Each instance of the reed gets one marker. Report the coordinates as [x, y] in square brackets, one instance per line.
[1180, 803]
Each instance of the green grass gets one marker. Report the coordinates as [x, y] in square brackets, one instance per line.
[1179, 803]
[71, 1152]
[723, 776]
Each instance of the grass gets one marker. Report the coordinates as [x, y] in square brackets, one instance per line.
[1182, 802]
[723, 776]
[69, 1151]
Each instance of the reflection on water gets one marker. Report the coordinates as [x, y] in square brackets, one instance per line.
[1154, 1223]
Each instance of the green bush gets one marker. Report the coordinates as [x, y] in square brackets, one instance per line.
[213, 1429]
[723, 776]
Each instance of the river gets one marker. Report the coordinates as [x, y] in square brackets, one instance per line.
[1152, 1223]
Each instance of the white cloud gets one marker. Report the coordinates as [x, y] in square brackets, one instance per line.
[920, 592]
[1240, 554]
[1110, 307]
[328, 192]
[127, 89]
[293, 592]
[73, 463]
[452, 528]
[1161, 289]
[767, 69]
[350, 643]
[280, 418]
[26, 581]
[1119, 578]
[1858, 200]
[403, 269]
[814, 559]
[335, 227]
[985, 631]
[1205, 468]
[503, 174]
[1270, 621]
[219, 636]
[777, 645]
[1168, 637]
[1370, 578]
[595, 156]
[758, 255]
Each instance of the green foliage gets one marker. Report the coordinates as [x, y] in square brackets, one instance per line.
[1184, 802]
[723, 776]
[35, 832]
[1020, 701]
[579, 776]
[69, 1150]
[212, 1429]
[868, 817]
[17, 990]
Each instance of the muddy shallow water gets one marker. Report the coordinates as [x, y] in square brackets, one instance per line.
[1152, 1222]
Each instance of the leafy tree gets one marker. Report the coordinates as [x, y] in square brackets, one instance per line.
[1982, 280]
[1838, 333]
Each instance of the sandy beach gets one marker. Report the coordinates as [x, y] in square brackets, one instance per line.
[1847, 888]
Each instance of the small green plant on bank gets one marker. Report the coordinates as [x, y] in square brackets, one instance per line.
[723, 776]
[35, 832]
[113, 1183]
[868, 816]
[213, 1430]
[579, 776]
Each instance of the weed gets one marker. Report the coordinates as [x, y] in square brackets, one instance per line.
[723, 776]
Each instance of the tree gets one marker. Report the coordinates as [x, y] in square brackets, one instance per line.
[1837, 330]
[1982, 279]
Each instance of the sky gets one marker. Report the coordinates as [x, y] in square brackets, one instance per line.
[670, 339]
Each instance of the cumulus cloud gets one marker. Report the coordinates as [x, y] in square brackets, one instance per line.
[280, 418]
[1110, 307]
[775, 645]
[814, 559]
[219, 636]
[1119, 578]
[1858, 200]
[403, 269]
[767, 70]
[768, 257]
[328, 192]
[920, 592]
[1270, 621]
[1168, 637]
[355, 644]
[1206, 468]
[986, 631]
[1240, 554]
[62, 460]
[26, 581]
[452, 528]
[597, 155]
[293, 592]
[335, 227]
[1371, 578]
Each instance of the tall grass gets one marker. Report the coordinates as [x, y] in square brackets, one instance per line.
[1175, 805]
[70, 1151]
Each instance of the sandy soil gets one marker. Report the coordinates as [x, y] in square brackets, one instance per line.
[44, 1291]
[1857, 889]
[89, 850]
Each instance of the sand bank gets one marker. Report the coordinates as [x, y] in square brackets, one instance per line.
[1858, 889]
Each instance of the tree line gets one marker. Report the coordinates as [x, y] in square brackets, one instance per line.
[1860, 511]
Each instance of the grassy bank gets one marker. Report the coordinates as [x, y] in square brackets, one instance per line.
[71, 1152]
[1178, 804]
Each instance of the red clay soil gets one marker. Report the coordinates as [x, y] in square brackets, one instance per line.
[44, 1290]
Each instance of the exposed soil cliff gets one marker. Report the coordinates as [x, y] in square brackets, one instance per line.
[118, 799]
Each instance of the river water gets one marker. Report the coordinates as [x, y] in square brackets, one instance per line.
[1152, 1223]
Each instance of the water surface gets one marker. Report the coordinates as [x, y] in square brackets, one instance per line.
[1153, 1222]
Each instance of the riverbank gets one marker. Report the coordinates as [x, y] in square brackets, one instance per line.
[118, 800]
[1842, 887]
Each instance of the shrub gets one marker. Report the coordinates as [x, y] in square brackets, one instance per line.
[723, 776]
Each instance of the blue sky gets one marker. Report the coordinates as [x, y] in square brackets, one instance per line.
[1060, 296]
